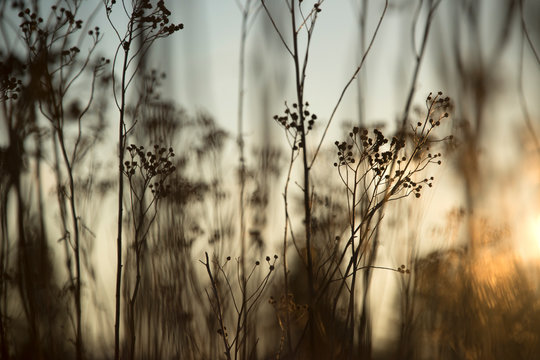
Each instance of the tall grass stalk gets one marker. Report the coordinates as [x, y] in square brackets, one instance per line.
[146, 22]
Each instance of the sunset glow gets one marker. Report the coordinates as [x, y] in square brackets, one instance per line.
[535, 231]
[269, 179]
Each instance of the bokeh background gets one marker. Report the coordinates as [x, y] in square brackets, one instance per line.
[470, 244]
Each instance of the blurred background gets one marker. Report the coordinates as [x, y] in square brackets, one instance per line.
[469, 246]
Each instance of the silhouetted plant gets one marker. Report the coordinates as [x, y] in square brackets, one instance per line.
[146, 172]
[297, 124]
[55, 69]
[53, 96]
[223, 290]
[146, 23]
[375, 171]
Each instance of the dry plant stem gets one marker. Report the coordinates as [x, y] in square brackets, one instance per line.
[4, 350]
[141, 27]
[300, 73]
[132, 299]
[356, 232]
[364, 236]
[68, 75]
[285, 247]
[391, 189]
[522, 100]
[523, 103]
[54, 111]
[362, 19]
[353, 77]
[26, 292]
[155, 167]
[419, 56]
[249, 302]
[352, 306]
[286, 228]
[526, 32]
[376, 201]
[408, 304]
[352, 266]
[307, 203]
[24, 266]
[364, 319]
[4, 265]
[121, 150]
[271, 18]
[59, 115]
[242, 163]
[140, 238]
[74, 218]
[62, 209]
[4, 244]
[219, 309]
[126, 42]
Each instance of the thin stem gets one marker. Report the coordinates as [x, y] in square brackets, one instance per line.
[353, 77]
[121, 149]
[299, 78]
[276, 28]
[242, 175]
[219, 309]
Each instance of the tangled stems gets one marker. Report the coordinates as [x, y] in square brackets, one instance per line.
[242, 306]
[55, 66]
[145, 170]
[376, 170]
[146, 23]
[369, 159]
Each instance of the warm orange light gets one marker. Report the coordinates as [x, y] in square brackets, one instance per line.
[536, 230]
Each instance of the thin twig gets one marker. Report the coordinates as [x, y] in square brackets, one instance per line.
[276, 28]
[353, 77]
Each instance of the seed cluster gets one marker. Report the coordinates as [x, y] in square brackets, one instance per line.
[147, 16]
[10, 86]
[370, 149]
[403, 270]
[153, 166]
[32, 22]
[397, 161]
[294, 124]
[46, 39]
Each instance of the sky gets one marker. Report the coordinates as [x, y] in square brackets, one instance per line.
[207, 52]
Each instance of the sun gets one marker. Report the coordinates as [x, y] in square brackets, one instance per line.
[536, 230]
